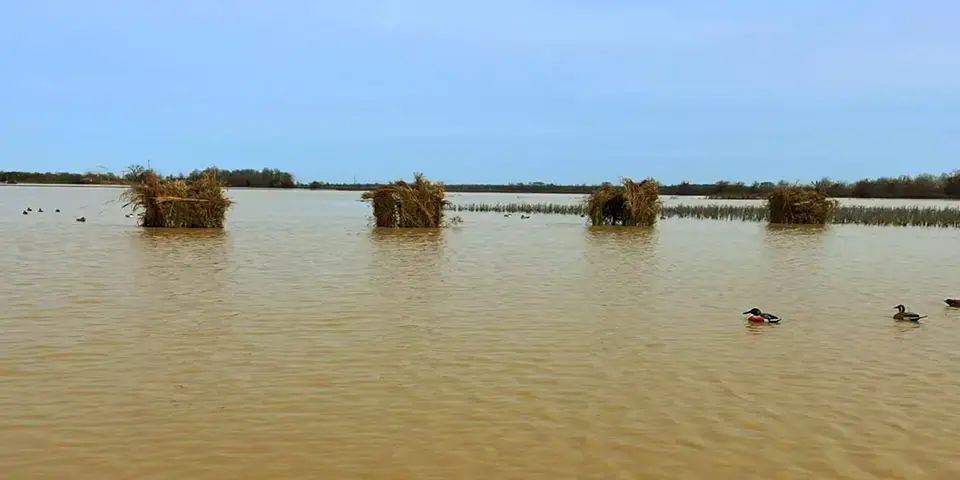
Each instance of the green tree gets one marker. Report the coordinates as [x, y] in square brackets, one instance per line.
[134, 173]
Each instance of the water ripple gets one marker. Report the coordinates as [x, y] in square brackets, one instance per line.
[300, 343]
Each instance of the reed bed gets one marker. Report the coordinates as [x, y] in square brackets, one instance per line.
[539, 208]
[856, 215]
[409, 205]
[898, 216]
[200, 203]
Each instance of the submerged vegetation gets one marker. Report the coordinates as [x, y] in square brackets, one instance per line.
[859, 215]
[199, 203]
[409, 205]
[633, 204]
[798, 205]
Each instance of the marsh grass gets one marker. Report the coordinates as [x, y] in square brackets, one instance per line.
[796, 205]
[858, 215]
[633, 204]
[539, 208]
[898, 216]
[419, 204]
[199, 203]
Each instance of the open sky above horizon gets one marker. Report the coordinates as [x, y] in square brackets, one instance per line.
[490, 92]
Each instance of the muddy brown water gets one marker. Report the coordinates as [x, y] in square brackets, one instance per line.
[300, 343]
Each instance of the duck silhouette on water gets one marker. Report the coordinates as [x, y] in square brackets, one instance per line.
[953, 302]
[757, 316]
[904, 315]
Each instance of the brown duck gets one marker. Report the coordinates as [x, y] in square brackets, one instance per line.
[953, 302]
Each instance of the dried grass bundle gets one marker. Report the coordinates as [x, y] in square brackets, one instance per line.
[799, 205]
[200, 203]
[633, 204]
[409, 205]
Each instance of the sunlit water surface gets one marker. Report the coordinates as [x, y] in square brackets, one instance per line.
[301, 343]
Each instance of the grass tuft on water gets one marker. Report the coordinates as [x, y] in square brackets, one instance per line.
[797, 205]
[913, 216]
[633, 204]
[200, 203]
[409, 205]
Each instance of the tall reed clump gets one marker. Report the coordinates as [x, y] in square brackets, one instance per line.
[633, 204]
[799, 205]
[409, 205]
[200, 203]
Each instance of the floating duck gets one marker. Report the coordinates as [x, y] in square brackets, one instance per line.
[81, 219]
[903, 314]
[953, 302]
[524, 216]
[39, 210]
[58, 210]
[25, 212]
[759, 317]
[29, 209]
[506, 215]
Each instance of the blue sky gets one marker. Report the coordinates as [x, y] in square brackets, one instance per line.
[493, 91]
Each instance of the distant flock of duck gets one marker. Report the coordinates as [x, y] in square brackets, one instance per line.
[40, 210]
[79, 219]
[902, 315]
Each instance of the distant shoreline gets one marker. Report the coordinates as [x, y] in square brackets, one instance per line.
[363, 188]
[339, 188]
[84, 185]
[921, 187]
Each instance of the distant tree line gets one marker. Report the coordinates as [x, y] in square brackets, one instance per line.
[533, 187]
[922, 186]
[61, 178]
[265, 178]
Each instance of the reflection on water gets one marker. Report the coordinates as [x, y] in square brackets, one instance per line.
[756, 328]
[813, 230]
[189, 266]
[398, 244]
[624, 236]
[798, 278]
[620, 268]
[406, 269]
[300, 343]
[905, 328]
[620, 245]
[188, 356]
